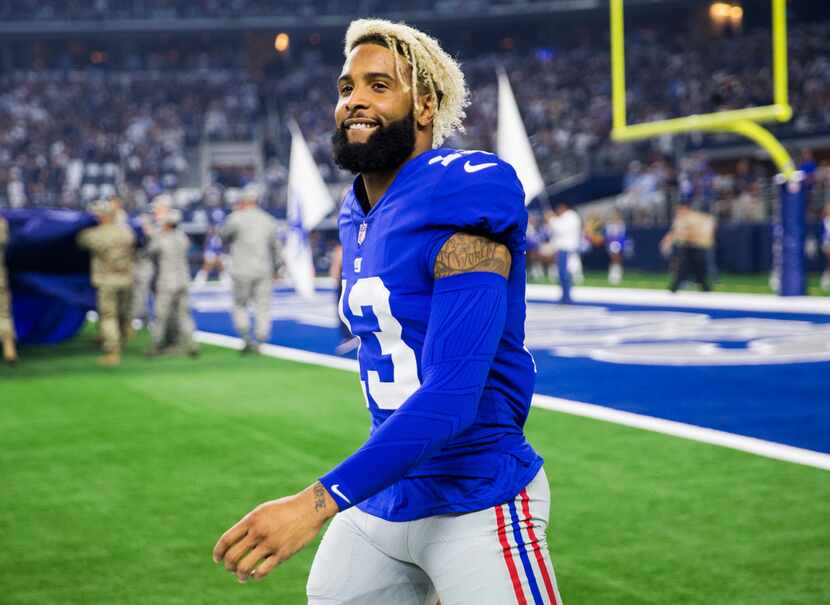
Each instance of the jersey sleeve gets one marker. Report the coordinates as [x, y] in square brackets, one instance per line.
[479, 194]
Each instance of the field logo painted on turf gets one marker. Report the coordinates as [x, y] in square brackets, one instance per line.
[669, 338]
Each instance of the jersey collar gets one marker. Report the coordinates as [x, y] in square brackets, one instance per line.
[359, 192]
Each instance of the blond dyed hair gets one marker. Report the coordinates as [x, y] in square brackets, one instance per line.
[431, 68]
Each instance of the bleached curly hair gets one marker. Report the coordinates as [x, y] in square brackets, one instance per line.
[432, 69]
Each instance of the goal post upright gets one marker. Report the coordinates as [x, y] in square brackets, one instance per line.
[744, 122]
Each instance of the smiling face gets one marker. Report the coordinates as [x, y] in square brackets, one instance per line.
[369, 93]
[377, 129]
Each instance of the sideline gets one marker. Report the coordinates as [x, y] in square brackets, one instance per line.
[730, 301]
[759, 447]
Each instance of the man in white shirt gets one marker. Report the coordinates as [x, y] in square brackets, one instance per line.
[566, 232]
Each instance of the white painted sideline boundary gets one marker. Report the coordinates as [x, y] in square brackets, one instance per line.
[759, 447]
[279, 352]
[770, 303]
[768, 449]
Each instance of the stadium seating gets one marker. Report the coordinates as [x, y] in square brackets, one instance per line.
[129, 121]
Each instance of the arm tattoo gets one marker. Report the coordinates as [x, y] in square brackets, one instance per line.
[465, 253]
[319, 497]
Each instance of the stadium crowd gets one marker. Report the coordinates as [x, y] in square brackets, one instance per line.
[70, 137]
[566, 103]
[34, 10]
[78, 130]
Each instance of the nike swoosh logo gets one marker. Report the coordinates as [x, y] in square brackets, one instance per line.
[336, 489]
[471, 168]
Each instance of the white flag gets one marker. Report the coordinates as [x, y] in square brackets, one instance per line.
[512, 143]
[309, 201]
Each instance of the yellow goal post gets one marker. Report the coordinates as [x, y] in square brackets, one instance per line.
[745, 122]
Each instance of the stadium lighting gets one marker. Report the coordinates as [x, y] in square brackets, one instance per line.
[281, 42]
[722, 12]
[719, 11]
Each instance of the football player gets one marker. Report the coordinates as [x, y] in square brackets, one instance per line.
[446, 498]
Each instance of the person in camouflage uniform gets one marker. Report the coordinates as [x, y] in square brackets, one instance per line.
[6, 323]
[168, 247]
[252, 236]
[112, 248]
[144, 266]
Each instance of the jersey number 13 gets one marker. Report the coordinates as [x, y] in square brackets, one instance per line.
[371, 292]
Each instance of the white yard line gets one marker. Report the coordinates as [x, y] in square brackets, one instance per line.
[768, 449]
[279, 352]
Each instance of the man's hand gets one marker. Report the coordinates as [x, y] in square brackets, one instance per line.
[273, 532]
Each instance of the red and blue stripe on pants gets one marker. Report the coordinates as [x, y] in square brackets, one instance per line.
[535, 567]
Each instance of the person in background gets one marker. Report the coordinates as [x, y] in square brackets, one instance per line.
[614, 236]
[145, 268]
[6, 322]
[692, 236]
[212, 257]
[173, 325]
[566, 235]
[252, 236]
[111, 245]
[142, 276]
[536, 241]
[120, 214]
[348, 343]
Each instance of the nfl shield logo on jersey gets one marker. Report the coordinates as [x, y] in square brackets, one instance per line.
[361, 234]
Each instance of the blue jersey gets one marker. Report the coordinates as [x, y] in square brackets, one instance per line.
[388, 258]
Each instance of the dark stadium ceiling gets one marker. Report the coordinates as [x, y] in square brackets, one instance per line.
[54, 19]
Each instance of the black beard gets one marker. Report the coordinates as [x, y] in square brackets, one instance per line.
[386, 149]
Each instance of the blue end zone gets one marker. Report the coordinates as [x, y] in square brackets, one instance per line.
[752, 373]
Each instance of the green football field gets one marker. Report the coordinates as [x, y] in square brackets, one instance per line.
[117, 482]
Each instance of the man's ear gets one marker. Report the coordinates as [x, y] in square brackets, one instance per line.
[425, 110]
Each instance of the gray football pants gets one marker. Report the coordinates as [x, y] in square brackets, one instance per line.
[495, 556]
[257, 292]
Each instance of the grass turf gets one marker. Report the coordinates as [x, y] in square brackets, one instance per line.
[117, 482]
[743, 283]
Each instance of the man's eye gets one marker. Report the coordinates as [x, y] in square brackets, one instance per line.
[379, 86]
[345, 90]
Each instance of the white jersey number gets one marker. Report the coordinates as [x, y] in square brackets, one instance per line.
[371, 292]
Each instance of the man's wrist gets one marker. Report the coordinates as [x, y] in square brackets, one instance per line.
[323, 505]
